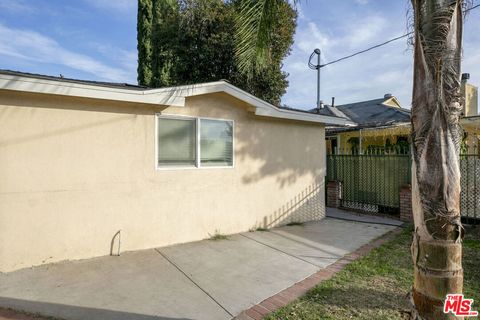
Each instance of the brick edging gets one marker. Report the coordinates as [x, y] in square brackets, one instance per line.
[9, 314]
[297, 290]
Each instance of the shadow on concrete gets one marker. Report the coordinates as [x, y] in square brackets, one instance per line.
[307, 242]
[328, 240]
[62, 311]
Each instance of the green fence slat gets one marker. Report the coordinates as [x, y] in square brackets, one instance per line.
[372, 181]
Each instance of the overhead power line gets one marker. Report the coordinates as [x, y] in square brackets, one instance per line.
[381, 44]
[478, 5]
[368, 49]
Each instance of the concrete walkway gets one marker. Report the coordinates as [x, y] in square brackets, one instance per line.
[368, 218]
[200, 280]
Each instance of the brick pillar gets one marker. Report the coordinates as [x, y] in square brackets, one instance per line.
[334, 193]
[406, 213]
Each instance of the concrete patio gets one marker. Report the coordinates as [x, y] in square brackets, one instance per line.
[200, 280]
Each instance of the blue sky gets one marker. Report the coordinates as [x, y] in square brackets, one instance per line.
[96, 39]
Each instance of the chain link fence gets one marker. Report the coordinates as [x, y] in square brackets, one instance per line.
[371, 182]
[470, 183]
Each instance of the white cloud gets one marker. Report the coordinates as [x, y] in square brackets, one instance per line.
[471, 65]
[471, 47]
[299, 9]
[369, 76]
[340, 31]
[16, 6]
[120, 5]
[125, 58]
[33, 46]
[364, 31]
[362, 2]
[309, 38]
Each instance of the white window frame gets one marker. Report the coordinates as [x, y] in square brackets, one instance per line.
[198, 164]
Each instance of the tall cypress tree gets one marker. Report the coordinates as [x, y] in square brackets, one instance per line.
[165, 28]
[192, 41]
[144, 41]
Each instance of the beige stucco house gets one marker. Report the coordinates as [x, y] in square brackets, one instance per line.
[89, 169]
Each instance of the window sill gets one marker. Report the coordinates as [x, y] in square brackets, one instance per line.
[191, 168]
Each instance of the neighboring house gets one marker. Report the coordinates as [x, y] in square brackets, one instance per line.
[379, 122]
[90, 168]
[470, 94]
[383, 126]
[471, 120]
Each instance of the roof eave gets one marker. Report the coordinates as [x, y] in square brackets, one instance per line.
[286, 114]
[366, 128]
[262, 108]
[172, 96]
[55, 87]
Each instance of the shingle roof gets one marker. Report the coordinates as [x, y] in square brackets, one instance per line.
[312, 111]
[368, 113]
[91, 82]
[326, 111]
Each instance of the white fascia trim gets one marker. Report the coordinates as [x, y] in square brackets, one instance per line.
[289, 114]
[173, 96]
[262, 108]
[45, 86]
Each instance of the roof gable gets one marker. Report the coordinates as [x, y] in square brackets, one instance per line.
[371, 112]
[172, 96]
[392, 102]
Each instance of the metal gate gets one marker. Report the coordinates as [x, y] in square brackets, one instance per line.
[470, 182]
[370, 182]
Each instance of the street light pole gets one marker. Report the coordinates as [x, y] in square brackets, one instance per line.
[318, 79]
[316, 67]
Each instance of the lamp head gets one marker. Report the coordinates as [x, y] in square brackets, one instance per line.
[317, 51]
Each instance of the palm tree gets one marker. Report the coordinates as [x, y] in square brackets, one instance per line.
[436, 137]
[255, 24]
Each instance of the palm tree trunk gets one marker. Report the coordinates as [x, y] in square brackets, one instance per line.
[436, 137]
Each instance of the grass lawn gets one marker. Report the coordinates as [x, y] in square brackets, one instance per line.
[376, 286]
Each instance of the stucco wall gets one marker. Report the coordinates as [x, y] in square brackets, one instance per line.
[471, 100]
[75, 171]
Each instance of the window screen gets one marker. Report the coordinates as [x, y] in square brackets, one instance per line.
[216, 143]
[176, 142]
